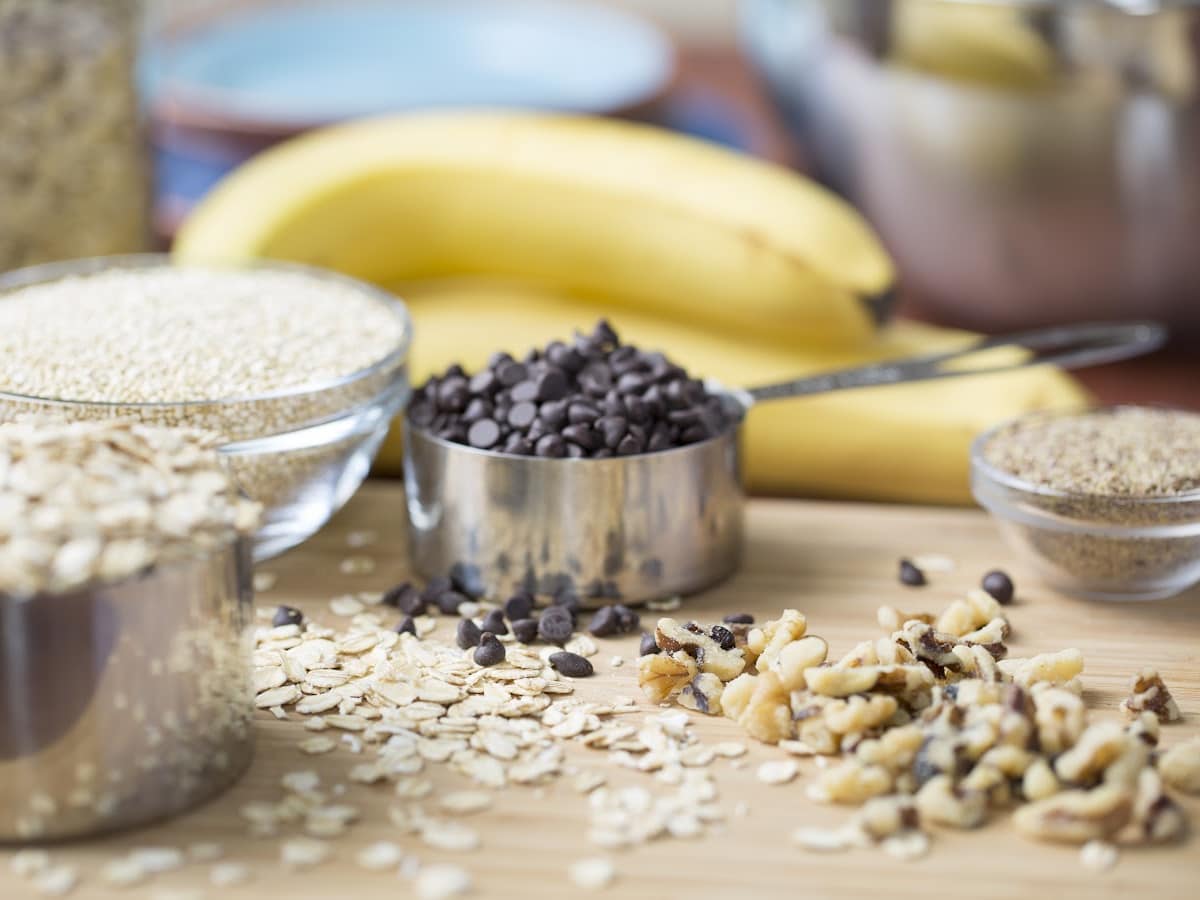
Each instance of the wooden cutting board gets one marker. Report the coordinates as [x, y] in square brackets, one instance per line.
[837, 563]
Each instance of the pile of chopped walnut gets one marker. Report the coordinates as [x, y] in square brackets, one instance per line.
[934, 725]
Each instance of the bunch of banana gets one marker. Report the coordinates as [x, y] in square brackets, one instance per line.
[505, 230]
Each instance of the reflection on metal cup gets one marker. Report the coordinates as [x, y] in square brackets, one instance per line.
[626, 529]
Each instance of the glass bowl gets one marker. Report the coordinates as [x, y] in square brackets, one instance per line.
[1098, 546]
[301, 452]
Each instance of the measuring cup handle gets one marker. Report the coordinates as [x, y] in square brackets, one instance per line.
[1067, 346]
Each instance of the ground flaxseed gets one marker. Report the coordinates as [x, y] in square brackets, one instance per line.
[1121, 452]
[1105, 502]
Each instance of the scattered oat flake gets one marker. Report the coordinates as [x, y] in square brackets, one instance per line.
[777, 771]
[264, 581]
[449, 836]
[319, 744]
[227, 874]
[729, 749]
[822, 839]
[465, 802]
[357, 565]
[906, 845]
[670, 604]
[55, 881]
[303, 853]
[29, 862]
[205, 851]
[379, 856]
[934, 562]
[280, 696]
[588, 780]
[363, 537]
[1099, 856]
[438, 881]
[346, 605]
[123, 872]
[157, 859]
[592, 874]
[617, 661]
[300, 782]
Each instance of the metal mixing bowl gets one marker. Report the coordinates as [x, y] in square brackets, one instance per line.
[128, 702]
[1026, 161]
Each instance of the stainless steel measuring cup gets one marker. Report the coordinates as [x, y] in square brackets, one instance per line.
[124, 703]
[642, 527]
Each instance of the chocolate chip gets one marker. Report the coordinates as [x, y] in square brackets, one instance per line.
[525, 630]
[723, 636]
[518, 606]
[407, 626]
[399, 593]
[910, 574]
[568, 600]
[605, 623]
[583, 436]
[483, 434]
[571, 664]
[552, 385]
[435, 588]
[550, 446]
[421, 414]
[553, 414]
[448, 602]
[522, 414]
[467, 635]
[484, 382]
[628, 618]
[494, 622]
[648, 645]
[738, 619]
[556, 625]
[287, 615]
[1000, 586]
[490, 652]
[524, 392]
[510, 373]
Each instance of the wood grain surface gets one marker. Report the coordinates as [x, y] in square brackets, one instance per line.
[837, 563]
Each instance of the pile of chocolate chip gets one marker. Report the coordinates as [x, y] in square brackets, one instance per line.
[594, 397]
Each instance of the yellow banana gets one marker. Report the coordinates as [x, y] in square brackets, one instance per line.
[597, 208]
[905, 442]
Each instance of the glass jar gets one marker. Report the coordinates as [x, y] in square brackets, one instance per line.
[73, 173]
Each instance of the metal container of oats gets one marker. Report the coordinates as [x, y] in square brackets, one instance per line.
[126, 620]
[125, 703]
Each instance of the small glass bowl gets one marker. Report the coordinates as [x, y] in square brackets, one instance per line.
[1102, 547]
[301, 452]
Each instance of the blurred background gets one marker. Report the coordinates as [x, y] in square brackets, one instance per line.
[1025, 162]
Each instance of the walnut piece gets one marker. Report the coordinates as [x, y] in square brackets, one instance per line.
[1148, 693]
[1180, 767]
[1056, 668]
[1156, 817]
[768, 642]
[703, 694]
[883, 816]
[891, 619]
[830, 681]
[941, 802]
[1060, 718]
[693, 640]
[1040, 781]
[760, 704]
[1076, 817]
[964, 616]
[852, 782]
[794, 658]
[662, 675]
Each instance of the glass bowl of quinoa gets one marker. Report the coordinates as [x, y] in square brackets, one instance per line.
[299, 370]
[1103, 504]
